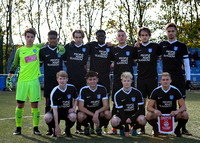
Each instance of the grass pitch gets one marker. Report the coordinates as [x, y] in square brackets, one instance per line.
[7, 125]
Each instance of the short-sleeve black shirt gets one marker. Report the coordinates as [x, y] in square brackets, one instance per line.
[166, 100]
[173, 54]
[63, 99]
[100, 61]
[123, 61]
[93, 98]
[76, 58]
[53, 63]
[147, 56]
[128, 101]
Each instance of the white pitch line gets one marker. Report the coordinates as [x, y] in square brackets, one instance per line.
[12, 118]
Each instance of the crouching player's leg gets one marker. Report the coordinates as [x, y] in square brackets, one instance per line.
[140, 122]
[104, 118]
[84, 120]
[152, 120]
[69, 122]
[182, 119]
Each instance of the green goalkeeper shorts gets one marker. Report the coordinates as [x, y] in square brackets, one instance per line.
[29, 89]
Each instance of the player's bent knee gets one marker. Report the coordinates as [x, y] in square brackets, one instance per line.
[48, 118]
[81, 116]
[185, 115]
[115, 121]
[107, 114]
[72, 117]
[142, 120]
[149, 116]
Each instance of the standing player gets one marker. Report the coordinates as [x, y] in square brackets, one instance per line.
[148, 52]
[130, 107]
[27, 57]
[63, 106]
[76, 57]
[175, 56]
[163, 100]
[93, 104]
[100, 61]
[52, 60]
[123, 56]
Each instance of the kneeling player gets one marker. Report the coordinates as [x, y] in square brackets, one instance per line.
[93, 104]
[163, 100]
[62, 105]
[130, 107]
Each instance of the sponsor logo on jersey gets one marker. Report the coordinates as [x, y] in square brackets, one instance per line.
[99, 96]
[133, 99]
[107, 50]
[34, 50]
[84, 49]
[171, 97]
[127, 53]
[150, 50]
[31, 58]
[175, 48]
[69, 96]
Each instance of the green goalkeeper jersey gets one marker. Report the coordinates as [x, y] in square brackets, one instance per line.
[29, 64]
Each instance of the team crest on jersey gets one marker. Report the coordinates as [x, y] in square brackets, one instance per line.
[127, 53]
[84, 49]
[107, 50]
[175, 48]
[133, 99]
[34, 50]
[99, 96]
[150, 50]
[171, 97]
[69, 96]
[59, 55]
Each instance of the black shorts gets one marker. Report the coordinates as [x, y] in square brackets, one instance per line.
[180, 84]
[48, 88]
[146, 86]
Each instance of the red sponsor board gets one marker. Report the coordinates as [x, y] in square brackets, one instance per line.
[166, 124]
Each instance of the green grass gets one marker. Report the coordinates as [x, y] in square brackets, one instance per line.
[7, 126]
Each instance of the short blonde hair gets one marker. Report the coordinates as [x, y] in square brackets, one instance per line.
[165, 74]
[126, 75]
[62, 74]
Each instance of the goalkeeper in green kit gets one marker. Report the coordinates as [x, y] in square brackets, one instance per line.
[28, 85]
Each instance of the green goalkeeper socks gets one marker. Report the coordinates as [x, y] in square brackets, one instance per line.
[36, 116]
[18, 116]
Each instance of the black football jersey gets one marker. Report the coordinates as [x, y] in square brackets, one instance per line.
[123, 60]
[147, 56]
[173, 54]
[76, 58]
[100, 60]
[53, 63]
[93, 98]
[63, 99]
[166, 100]
[128, 101]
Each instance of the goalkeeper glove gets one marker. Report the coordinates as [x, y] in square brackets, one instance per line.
[9, 83]
[60, 50]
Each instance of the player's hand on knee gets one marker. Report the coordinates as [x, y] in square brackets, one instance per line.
[57, 131]
[173, 113]
[9, 83]
[71, 110]
[158, 113]
[95, 119]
